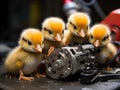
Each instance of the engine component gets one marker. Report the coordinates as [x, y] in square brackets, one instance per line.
[67, 61]
[70, 7]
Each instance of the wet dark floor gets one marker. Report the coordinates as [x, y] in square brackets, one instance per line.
[50, 84]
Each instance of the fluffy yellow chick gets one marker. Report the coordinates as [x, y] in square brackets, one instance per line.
[53, 29]
[100, 37]
[77, 28]
[26, 57]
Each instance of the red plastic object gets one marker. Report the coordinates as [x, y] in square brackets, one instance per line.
[113, 21]
[67, 1]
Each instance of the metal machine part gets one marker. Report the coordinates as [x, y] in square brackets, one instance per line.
[67, 61]
[72, 6]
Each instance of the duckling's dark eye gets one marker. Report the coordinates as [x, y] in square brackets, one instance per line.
[62, 31]
[106, 37]
[73, 26]
[29, 43]
[87, 28]
[49, 32]
[91, 36]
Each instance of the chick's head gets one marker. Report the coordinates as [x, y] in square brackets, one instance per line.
[53, 29]
[78, 24]
[31, 40]
[99, 35]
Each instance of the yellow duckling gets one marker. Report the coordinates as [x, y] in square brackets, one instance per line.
[26, 57]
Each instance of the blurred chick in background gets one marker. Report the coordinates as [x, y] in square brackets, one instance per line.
[77, 29]
[27, 56]
[53, 29]
[100, 38]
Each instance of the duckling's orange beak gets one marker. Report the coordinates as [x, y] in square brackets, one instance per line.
[97, 43]
[38, 48]
[82, 33]
[58, 37]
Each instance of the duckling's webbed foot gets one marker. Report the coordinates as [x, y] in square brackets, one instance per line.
[50, 50]
[22, 77]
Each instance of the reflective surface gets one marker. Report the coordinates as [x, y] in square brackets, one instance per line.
[50, 84]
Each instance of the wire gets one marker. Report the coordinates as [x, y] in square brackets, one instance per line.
[99, 10]
[93, 3]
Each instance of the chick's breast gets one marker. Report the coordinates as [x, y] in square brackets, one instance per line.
[31, 63]
[20, 59]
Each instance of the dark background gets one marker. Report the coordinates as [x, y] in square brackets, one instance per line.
[17, 15]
